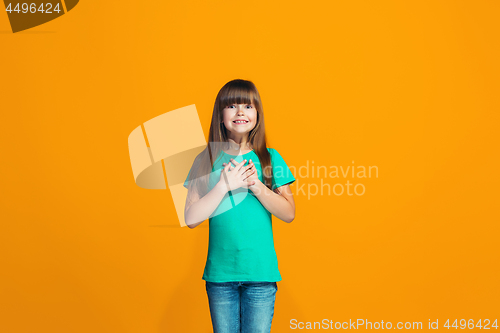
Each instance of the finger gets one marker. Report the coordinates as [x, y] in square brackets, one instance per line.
[249, 167]
[248, 174]
[242, 168]
[238, 165]
[228, 164]
[232, 161]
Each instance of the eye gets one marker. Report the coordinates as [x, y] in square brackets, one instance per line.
[230, 106]
[249, 106]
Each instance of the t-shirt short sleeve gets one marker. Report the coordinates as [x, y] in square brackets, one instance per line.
[281, 172]
[186, 181]
[187, 178]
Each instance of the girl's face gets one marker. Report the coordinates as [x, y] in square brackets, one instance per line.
[239, 118]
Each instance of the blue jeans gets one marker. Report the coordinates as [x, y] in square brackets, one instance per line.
[246, 307]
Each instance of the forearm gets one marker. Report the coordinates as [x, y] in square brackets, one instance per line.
[203, 208]
[273, 202]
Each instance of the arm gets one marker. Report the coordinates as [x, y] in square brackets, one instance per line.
[198, 210]
[280, 203]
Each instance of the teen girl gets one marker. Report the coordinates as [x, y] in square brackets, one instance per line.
[238, 184]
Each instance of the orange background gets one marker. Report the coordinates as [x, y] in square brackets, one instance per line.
[410, 87]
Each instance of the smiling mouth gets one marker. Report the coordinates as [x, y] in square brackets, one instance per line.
[240, 122]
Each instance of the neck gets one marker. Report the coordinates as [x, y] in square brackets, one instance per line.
[233, 145]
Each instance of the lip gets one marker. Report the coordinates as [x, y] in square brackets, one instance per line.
[234, 121]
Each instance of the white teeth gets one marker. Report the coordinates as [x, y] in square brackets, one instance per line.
[241, 122]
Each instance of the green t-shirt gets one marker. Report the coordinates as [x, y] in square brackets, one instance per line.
[241, 244]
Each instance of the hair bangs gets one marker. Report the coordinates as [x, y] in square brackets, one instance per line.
[238, 94]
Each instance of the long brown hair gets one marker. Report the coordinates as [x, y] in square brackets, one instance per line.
[234, 92]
